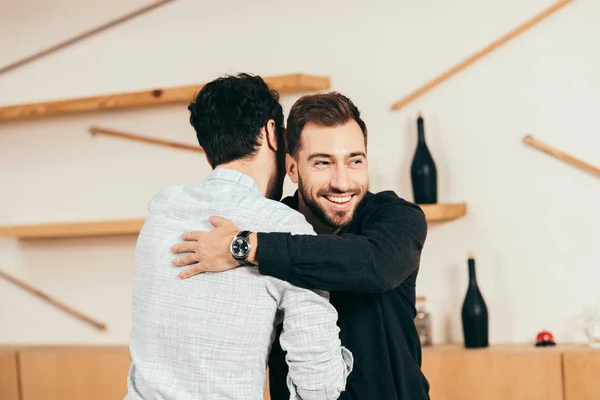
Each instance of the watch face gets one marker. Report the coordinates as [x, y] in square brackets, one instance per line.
[240, 247]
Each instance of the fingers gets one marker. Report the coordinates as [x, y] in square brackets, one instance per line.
[219, 221]
[192, 236]
[206, 251]
[185, 247]
[188, 259]
[193, 270]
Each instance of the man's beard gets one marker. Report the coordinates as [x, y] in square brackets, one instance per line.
[274, 189]
[275, 186]
[333, 220]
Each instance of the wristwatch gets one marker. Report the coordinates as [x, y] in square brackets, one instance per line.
[240, 248]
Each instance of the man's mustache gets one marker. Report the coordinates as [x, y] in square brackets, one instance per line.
[331, 190]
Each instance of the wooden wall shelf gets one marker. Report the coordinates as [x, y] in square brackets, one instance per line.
[443, 212]
[285, 84]
[433, 212]
[75, 229]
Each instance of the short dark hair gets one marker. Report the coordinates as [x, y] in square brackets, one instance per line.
[323, 109]
[228, 113]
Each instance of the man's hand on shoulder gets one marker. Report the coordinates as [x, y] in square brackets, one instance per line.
[209, 251]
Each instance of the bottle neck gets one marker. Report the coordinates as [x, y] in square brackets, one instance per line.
[472, 274]
[421, 130]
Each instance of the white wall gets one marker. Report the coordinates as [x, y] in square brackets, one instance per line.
[532, 220]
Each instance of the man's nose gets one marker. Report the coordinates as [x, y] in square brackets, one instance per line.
[340, 180]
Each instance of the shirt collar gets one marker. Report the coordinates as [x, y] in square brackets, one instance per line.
[226, 174]
[291, 201]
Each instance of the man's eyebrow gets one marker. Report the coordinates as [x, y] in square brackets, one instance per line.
[319, 155]
[358, 154]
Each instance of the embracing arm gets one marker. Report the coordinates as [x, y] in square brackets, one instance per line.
[387, 251]
[381, 257]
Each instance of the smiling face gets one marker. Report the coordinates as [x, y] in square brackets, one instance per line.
[331, 171]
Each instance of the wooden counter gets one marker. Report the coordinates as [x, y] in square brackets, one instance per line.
[514, 371]
[9, 383]
[500, 372]
[78, 372]
[581, 373]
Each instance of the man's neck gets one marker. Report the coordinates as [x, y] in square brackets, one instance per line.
[251, 169]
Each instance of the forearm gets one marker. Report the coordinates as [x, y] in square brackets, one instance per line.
[385, 253]
[325, 380]
[253, 238]
[336, 263]
[318, 364]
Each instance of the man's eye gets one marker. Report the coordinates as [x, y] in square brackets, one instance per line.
[354, 162]
[322, 163]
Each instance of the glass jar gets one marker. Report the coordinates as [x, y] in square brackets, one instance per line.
[423, 322]
[592, 326]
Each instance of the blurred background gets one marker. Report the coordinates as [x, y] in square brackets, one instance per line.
[531, 220]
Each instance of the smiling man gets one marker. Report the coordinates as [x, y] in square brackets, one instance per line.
[330, 167]
[366, 253]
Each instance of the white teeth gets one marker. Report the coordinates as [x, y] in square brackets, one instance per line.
[339, 199]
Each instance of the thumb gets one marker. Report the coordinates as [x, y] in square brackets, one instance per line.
[219, 221]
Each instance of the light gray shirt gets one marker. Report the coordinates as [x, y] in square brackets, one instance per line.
[209, 336]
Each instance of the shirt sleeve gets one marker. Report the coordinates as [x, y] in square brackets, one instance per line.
[386, 252]
[318, 364]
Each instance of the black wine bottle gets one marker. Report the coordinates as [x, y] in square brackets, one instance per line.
[423, 172]
[474, 312]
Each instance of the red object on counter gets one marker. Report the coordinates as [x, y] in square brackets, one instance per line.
[545, 338]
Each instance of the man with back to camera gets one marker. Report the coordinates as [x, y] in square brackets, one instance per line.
[367, 252]
[209, 337]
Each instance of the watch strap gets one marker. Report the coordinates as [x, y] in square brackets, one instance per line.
[247, 263]
[243, 234]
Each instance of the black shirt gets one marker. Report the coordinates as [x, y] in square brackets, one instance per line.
[370, 269]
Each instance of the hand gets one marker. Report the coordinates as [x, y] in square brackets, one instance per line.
[209, 251]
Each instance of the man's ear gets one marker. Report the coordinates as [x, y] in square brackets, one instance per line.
[291, 166]
[270, 135]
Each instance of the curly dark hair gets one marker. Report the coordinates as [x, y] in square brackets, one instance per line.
[228, 113]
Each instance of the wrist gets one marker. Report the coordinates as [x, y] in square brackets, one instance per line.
[253, 238]
[243, 248]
